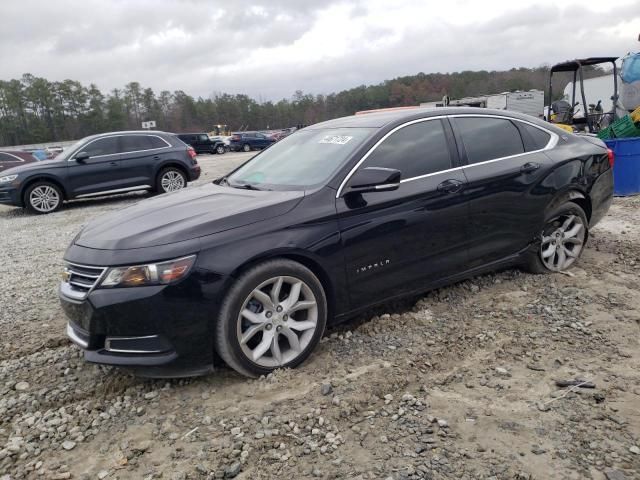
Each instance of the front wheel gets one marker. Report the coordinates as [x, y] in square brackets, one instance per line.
[171, 180]
[246, 147]
[561, 241]
[272, 317]
[43, 197]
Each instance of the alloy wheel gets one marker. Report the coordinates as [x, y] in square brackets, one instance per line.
[562, 242]
[172, 181]
[277, 321]
[44, 199]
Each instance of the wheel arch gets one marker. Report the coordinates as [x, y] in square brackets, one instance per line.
[572, 195]
[43, 178]
[302, 258]
[174, 164]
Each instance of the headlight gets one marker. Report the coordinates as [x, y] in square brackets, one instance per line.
[152, 274]
[8, 178]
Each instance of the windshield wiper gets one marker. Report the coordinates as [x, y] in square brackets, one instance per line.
[245, 186]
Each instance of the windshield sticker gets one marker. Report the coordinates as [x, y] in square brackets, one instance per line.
[336, 139]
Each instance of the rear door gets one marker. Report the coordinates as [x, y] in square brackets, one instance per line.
[100, 172]
[399, 241]
[505, 166]
[141, 154]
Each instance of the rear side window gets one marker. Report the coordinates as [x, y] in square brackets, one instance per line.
[415, 150]
[534, 138]
[203, 138]
[102, 146]
[486, 138]
[157, 142]
[134, 143]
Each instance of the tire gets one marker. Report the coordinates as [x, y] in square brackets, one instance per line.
[170, 179]
[561, 241]
[221, 150]
[246, 147]
[43, 197]
[260, 322]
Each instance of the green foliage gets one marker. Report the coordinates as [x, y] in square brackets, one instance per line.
[35, 110]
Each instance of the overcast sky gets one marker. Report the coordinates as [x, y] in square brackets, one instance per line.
[271, 48]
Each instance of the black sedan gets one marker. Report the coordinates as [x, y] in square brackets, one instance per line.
[329, 221]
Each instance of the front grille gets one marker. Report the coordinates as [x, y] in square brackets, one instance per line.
[82, 278]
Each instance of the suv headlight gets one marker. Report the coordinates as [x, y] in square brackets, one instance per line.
[151, 274]
[8, 178]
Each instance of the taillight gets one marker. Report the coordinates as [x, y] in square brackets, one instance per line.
[191, 152]
[612, 157]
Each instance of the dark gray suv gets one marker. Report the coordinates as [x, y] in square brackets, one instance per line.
[103, 164]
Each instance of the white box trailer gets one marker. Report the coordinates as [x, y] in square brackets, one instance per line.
[530, 103]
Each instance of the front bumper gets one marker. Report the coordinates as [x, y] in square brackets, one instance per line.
[159, 331]
[10, 195]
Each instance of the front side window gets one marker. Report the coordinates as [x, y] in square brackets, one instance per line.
[306, 158]
[487, 138]
[415, 150]
[102, 146]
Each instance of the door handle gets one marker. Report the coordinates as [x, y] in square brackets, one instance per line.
[113, 164]
[156, 157]
[529, 167]
[450, 186]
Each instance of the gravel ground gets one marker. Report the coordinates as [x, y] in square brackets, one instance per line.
[458, 383]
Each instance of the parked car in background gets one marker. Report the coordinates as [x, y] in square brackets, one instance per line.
[100, 165]
[202, 143]
[329, 221]
[14, 158]
[221, 138]
[247, 141]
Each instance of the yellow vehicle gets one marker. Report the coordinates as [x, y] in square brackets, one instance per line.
[220, 130]
[561, 112]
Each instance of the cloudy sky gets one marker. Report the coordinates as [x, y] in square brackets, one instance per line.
[271, 48]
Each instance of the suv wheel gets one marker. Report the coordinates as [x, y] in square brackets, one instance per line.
[562, 240]
[246, 147]
[171, 180]
[43, 197]
[220, 149]
[272, 317]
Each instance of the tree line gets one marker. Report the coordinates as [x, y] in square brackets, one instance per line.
[36, 110]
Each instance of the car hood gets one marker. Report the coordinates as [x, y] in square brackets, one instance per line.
[27, 167]
[184, 215]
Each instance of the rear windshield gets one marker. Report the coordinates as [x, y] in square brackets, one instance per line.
[303, 159]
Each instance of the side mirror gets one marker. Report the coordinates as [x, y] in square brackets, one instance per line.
[374, 179]
[81, 157]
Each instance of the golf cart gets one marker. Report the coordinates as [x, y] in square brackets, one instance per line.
[563, 113]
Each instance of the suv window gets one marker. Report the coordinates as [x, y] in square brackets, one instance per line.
[487, 138]
[537, 138]
[5, 157]
[259, 135]
[157, 142]
[203, 138]
[415, 150]
[134, 143]
[102, 146]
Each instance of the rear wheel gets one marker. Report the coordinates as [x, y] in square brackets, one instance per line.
[171, 180]
[246, 147]
[562, 240]
[272, 317]
[43, 197]
[220, 149]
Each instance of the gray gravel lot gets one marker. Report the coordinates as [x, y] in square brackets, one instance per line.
[455, 384]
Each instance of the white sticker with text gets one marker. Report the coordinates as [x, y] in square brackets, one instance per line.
[336, 139]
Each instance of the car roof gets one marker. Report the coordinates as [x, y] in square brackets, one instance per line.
[191, 133]
[572, 65]
[392, 117]
[128, 132]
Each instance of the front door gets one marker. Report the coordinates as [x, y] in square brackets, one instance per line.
[100, 172]
[404, 240]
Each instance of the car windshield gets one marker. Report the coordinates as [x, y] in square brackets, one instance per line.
[303, 159]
